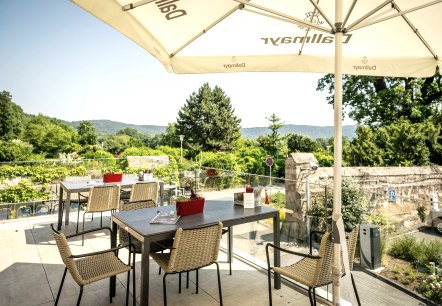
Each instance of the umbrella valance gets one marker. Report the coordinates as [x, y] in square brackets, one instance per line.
[393, 38]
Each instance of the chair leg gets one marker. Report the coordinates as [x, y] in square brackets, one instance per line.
[270, 286]
[127, 287]
[82, 236]
[310, 296]
[314, 296]
[197, 280]
[80, 295]
[78, 217]
[179, 282]
[164, 289]
[187, 279]
[219, 285]
[61, 285]
[229, 246]
[134, 297]
[354, 288]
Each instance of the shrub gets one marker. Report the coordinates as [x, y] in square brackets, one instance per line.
[23, 192]
[431, 287]
[411, 250]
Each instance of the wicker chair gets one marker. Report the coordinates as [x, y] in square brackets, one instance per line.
[192, 249]
[125, 237]
[92, 267]
[140, 191]
[314, 271]
[102, 199]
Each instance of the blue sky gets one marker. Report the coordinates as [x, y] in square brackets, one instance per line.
[60, 61]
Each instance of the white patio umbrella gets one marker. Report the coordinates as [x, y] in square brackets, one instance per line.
[367, 37]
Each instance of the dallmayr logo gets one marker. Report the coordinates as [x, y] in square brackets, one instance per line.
[234, 64]
[312, 17]
[170, 9]
[366, 66]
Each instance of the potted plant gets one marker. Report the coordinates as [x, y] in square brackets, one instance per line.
[193, 204]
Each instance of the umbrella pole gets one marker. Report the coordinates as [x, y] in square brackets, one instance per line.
[337, 165]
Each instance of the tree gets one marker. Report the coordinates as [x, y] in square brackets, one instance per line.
[12, 118]
[301, 143]
[50, 136]
[207, 121]
[363, 150]
[275, 139]
[87, 133]
[383, 100]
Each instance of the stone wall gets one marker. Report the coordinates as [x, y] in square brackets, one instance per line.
[413, 187]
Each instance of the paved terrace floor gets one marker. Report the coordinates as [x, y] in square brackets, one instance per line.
[31, 271]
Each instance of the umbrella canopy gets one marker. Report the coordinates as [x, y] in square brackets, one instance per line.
[393, 38]
[367, 37]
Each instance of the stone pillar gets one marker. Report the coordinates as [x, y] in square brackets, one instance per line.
[297, 166]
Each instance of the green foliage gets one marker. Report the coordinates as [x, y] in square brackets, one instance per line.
[363, 150]
[221, 160]
[50, 136]
[275, 138]
[12, 118]
[41, 173]
[23, 192]
[15, 150]
[87, 133]
[250, 156]
[301, 143]
[431, 287]
[207, 121]
[421, 213]
[168, 173]
[355, 208]
[106, 159]
[381, 100]
[411, 250]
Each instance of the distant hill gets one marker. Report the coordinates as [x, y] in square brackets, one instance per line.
[312, 131]
[111, 127]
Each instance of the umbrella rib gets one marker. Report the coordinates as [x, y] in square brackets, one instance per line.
[349, 13]
[322, 14]
[131, 6]
[358, 24]
[416, 31]
[365, 17]
[283, 17]
[206, 29]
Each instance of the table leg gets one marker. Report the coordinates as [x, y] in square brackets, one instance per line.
[60, 209]
[161, 194]
[112, 281]
[67, 207]
[144, 289]
[229, 248]
[277, 255]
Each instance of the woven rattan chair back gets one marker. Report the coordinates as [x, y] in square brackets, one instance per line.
[352, 239]
[103, 198]
[144, 191]
[65, 253]
[322, 272]
[124, 235]
[194, 248]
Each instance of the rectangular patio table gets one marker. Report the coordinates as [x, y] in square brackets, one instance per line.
[136, 222]
[71, 187]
